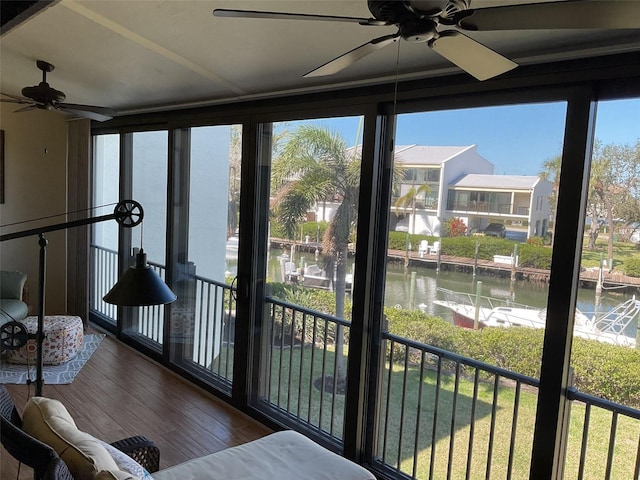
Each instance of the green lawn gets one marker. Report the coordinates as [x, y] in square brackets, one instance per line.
[291, 389]
[621, 251]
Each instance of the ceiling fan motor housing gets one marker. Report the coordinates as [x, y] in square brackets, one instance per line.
[389, 11]
[428, 8]
[43, 93]
[419, 30]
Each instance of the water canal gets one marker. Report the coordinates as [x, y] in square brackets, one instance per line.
[416, 287]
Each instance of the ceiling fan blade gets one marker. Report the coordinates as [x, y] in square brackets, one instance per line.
[470, 55]
[352, 56]
[15, 99]
[224, 12]
[26, 109]
[100, 114]
[587, 14]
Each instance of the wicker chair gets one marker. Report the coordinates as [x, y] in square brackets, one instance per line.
[46, 463]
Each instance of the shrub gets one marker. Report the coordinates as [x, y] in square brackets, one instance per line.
[537, 241]
[607, 371]
[304, 229]
[398, 240]
[454, 227]
[466, 247]
[313, 228]
[422, 328]
[319, 300]
[533, 256]
[632, 267]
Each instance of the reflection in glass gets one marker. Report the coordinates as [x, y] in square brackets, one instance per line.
[206, 243]
[104, 235]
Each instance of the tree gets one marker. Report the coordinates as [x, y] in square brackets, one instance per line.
[614, 186]
[235, 158]
[315, 165]
[409, 200]
[551, 173]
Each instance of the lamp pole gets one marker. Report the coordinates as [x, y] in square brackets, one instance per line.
[41, 295]
[128, 213]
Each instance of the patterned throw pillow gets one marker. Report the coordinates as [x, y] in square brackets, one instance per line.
[126, 463]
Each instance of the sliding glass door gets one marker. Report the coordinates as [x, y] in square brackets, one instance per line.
[205, 237]
[104, 235]
[313, 206]
[465, 304]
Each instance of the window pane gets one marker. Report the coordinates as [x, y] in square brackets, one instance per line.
[149, 187]
[104, 235]
[603, 358]
[313, 214]
[203, 317]
[467, 273]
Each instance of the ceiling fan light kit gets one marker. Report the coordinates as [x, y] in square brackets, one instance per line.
[45, 97]
[438, 23]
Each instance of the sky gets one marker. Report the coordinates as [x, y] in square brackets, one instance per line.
[517, 139]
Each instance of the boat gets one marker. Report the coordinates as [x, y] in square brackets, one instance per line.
[472, 311]
[290, 272]
[316, 277]
[232, 248]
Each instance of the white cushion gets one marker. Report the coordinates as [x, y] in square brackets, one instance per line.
[49, 421]
[284, 455]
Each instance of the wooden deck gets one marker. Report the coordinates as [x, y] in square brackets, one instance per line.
[587, 277]
[120, 393]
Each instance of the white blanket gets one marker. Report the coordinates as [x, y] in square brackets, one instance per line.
[284, 455]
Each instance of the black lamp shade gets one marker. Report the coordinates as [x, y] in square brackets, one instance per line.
[140, 286]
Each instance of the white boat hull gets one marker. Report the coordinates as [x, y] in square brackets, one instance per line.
[468, 316]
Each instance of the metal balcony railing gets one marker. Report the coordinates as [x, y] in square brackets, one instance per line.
[304, 374]
[482, 207]
[439, 414]
[202, 320]
[149, 320]
[442, 415]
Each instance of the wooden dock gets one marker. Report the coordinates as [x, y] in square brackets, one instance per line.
[588, 278]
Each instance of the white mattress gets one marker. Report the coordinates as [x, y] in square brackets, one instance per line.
[284, 455]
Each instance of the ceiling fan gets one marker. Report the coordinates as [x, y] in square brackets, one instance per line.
[421, 21]
[45, 97]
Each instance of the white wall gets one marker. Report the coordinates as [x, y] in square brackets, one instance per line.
[106, 187]
[469, 161]
[209, 200]
[540, 209]
[208, 190]
[35, 187]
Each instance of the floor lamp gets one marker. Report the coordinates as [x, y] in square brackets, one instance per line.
[139, 286]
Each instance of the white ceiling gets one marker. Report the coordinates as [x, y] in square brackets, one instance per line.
[137, 55]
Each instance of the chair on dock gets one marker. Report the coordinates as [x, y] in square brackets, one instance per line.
[435, 248]
[423, 248]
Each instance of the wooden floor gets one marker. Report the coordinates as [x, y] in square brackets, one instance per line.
[120, 393]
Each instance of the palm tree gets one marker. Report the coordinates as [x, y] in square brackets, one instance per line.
[551, 173]
[409, 200]
[316, 165]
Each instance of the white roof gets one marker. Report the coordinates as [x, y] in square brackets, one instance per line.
[510, 182]
[427, 154]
